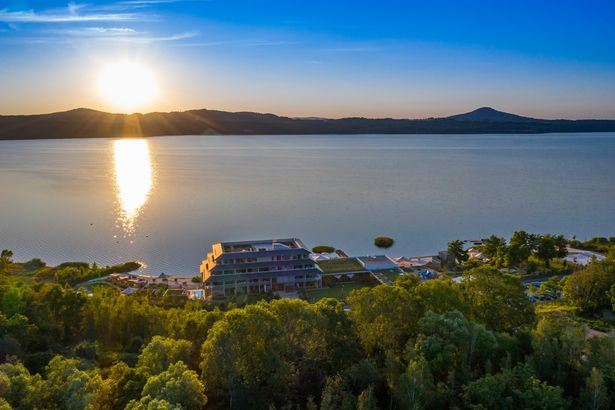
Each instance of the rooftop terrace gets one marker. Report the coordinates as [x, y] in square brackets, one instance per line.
[261, 245]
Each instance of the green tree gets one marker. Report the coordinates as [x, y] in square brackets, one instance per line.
[367, 400]
[521, 246]
[589, 288]
[415, 386]
[441, 296]
[383, 242]
[336, 396]
[162, 352]
[558, 344]
[497, 300]
[491, 244]
[451, 343]
[385, 317]
[21, 389]
[549, 247]
[456, 249]
[595, 395]
[516, 388]
[242, 359]
[178, 386]
[68, 384]
[6, 259]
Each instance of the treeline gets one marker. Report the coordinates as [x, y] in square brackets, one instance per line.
[72, 273]
[478, 344]
[522, 249]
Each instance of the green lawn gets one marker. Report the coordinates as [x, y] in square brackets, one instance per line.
[339, 292]
[390, 274]
[340, 265]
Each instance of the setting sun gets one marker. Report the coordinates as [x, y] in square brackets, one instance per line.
[127, 86]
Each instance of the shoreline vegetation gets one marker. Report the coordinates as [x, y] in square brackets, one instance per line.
[482, 333]
[88, 123]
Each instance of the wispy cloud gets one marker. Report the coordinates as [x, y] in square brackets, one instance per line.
[153, 39]
[72, 13]
[249, 43]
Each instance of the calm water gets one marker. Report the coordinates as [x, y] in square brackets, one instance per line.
[165, 200]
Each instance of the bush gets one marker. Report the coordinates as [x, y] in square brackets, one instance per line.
[35, 263]
[323, 249]
[383, 242]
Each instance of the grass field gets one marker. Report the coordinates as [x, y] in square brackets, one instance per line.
[339, 292]
[340, 265]
[390, 274]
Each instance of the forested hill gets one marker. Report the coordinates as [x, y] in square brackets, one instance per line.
[86, 123]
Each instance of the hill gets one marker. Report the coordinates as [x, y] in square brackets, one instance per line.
[87, 123]
[488, 114]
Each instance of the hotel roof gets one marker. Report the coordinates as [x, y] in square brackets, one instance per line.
[261, 245]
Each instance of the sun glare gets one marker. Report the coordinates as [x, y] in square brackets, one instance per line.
[127, 86]
[133, 178]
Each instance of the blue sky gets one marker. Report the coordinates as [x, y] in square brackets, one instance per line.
[412, 59]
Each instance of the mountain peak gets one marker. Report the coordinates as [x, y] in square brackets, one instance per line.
[488, 114]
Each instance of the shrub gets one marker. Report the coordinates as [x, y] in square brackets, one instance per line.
[383, 242]
[323, 249]
[35, 263]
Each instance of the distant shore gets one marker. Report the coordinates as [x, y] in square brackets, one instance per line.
[87, 123]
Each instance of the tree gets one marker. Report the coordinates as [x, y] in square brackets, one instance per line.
[549, 247]
[68, 384]
[497, 300]
[242, 359]
[367, 400]
[385, 317]
[335, 395]
[451, 343]
[178, 386]
[595, 395]
[383, 242]
[415, 386]
[161, 353]
[491, 244]
[515, 388]
[589, 288]
[323, 249]
[456, 249]
[558, 345]
[23, 389]
[521, 246]
[441, 296]
[6, 259]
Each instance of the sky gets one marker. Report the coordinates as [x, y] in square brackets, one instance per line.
[400, 59]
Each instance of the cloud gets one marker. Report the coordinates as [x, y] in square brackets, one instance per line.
[249, 43]
[153, 39]
[72, 13]
[112, 30]
[117, 34]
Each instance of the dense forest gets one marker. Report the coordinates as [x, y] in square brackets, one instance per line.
[477, 344]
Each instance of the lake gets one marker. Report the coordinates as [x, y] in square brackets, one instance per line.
[165, 200]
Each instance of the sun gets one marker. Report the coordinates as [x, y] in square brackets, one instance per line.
[126, 85]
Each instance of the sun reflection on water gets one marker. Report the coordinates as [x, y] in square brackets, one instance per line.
[133, 179]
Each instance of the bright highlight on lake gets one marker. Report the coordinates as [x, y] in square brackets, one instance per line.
[164, 200]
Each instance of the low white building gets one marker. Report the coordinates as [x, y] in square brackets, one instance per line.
[581, 257]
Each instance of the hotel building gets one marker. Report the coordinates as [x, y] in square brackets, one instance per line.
[259, 266]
